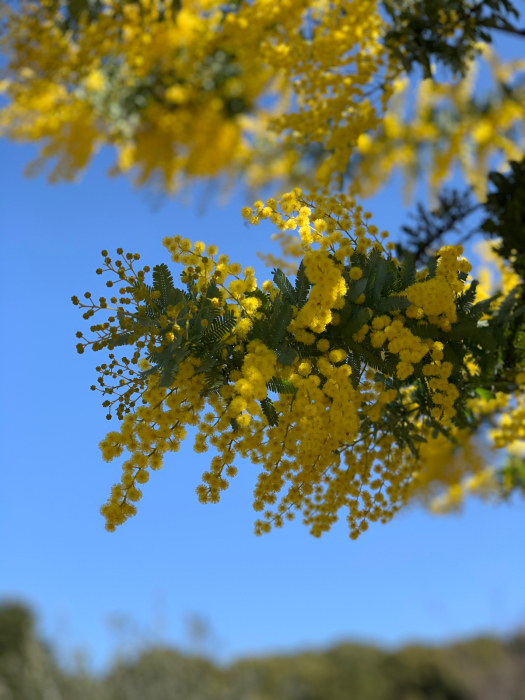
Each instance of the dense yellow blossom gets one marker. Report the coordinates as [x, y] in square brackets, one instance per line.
[194, 89]
[433, 302]
[327, 292]
[326, 429]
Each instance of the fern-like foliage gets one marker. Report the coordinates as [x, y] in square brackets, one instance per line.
[302, 286]
[284, 285]
[269, 411]
[281, 386]
[163, 282]
[212, 336]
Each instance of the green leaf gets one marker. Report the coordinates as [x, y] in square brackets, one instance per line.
[432, 266]
[425, 330]
[177, 296]
[281, 386]
[355, 364]
[505, 308]
[387, 366]
[462, 330]
[273, 330]
[465, 301]
[520, 310]
[284, 285]
[149, 312]
[482, 307]
[161, 358]
[484, 394]
[484, 337]
[380, 280]
[213, 381]
[391, 276]
[302, 286]
[372, 262]
[207, 364]
[307, 351]
[169, 370]
[269, 411]
[356, 322]
[408, 270]
[450, 355]
[163, 282]
[261, 331]
[286, 355]
[392, 303]
[418, 438]
[213, 334]
[356, 288]
[148, 372]
[168, 374]
[123, 339]
[410, 444]
[279, 322]
[213, 292]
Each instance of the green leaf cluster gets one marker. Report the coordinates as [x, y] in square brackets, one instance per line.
[424, 32]
[505, 209]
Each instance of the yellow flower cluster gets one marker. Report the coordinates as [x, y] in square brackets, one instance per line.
[258, 367]
[510, 432]
[192, 89]
[327, 293]
[444, 393]
[328, 445]
[446, 126]
[334, 224]
[313, 424]
[156, 427]
[290, 451]
[443, 465]
[474, 472]
[401, 342]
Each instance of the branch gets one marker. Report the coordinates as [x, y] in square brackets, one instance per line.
[506, 27]
[431, 227]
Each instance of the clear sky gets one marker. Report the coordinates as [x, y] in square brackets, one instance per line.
[418, 578]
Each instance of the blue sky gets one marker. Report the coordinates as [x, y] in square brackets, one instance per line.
[418, 578]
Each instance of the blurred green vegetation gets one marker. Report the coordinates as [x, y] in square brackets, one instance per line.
[481, 669]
